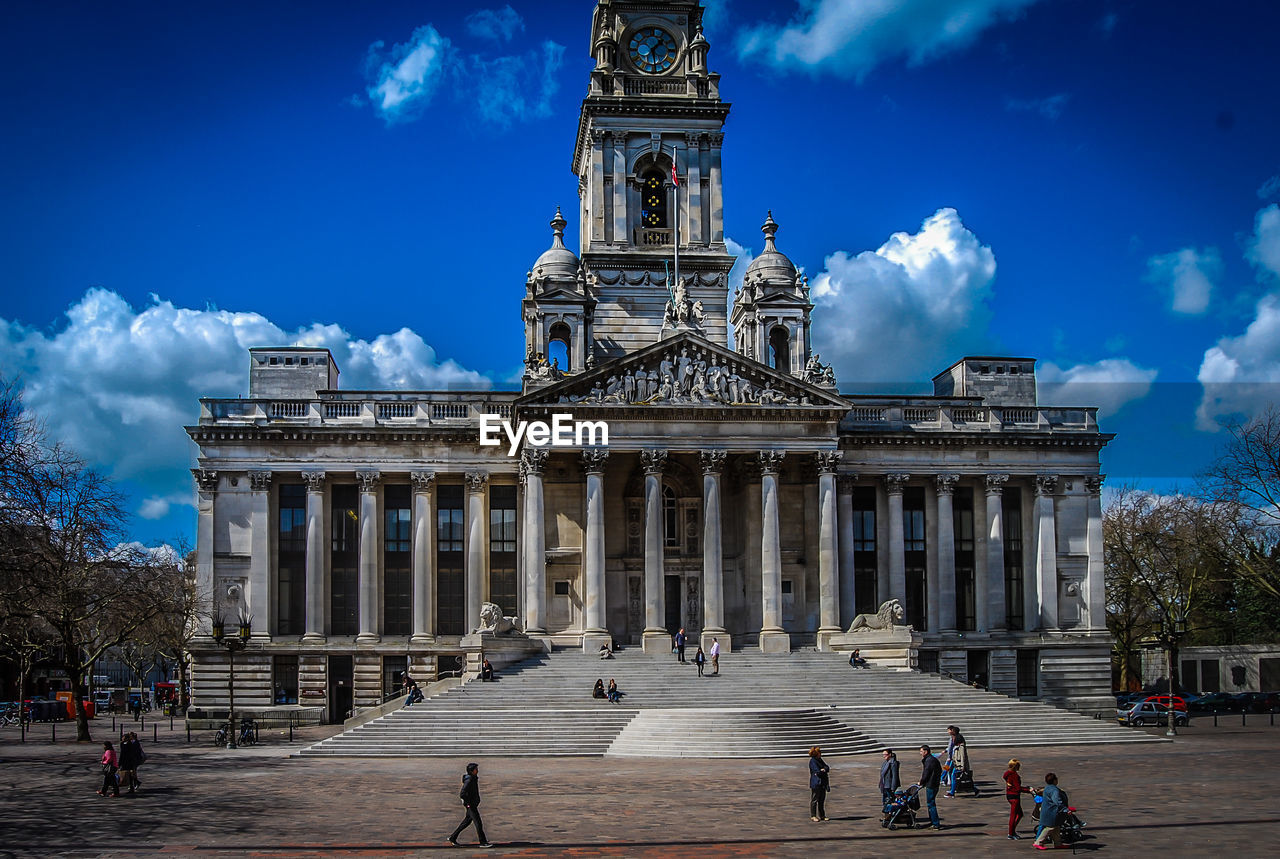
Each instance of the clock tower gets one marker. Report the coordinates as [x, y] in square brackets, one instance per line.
[647, 158]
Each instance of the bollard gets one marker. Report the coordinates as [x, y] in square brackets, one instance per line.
[144, 723]
[53, 732]
[291, 730]
[1215, 718]
[171, 721]
[1243, 723]
[155, 733]
[188, 732]
[113, 724]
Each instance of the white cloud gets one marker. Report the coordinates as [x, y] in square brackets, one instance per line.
[744, 257]
[1189, 276]
[1107, 384]
[1050, 107]
[851, 37]
[496, 24]
[1264, 247]
[1269, 188]
[118, 384]
[404, 79]
[1241, 374]
[906, 310]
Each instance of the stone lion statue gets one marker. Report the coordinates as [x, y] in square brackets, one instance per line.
[492, 621]
[890, 615]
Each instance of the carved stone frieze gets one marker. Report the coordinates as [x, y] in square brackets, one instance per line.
[594, 459]
[1046, 484]
[368, 480]
[1093, 483]
[818, 373]
[259, 481]
[945, 483]
[996, 482]
[771, 461]
[314, 480]
[712, 461]
[422, 480]
[894, 483]
[476, 480]
[533, 460]
[653, 461]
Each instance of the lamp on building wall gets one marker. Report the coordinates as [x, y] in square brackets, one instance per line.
[232, 644]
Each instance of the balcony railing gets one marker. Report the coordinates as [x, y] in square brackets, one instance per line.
[913, 414]
[361, 409]
[646, 237]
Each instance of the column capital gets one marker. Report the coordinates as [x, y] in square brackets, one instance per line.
[946, 483]
[996, 482]
[259, 481]
[846, 482]
[476, 480]
[895, 482]
[1093, 483]
[1046, 484]
[770, 461]
[206, 479]
[828, 461]
[654, 461]
[533, 459]
[368, 480]
[712, 461]
[594, 459]
[422, 480]
[314, 480]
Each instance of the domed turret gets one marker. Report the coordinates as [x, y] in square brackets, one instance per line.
[557, 263]
[772, 266]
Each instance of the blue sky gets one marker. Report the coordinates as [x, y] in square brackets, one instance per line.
[1088, 182]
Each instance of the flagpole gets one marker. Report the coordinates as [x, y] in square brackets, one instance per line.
[675, 184]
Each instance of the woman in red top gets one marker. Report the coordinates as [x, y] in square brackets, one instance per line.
[1013, 791]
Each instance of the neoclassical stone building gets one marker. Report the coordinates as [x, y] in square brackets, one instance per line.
[740, 494]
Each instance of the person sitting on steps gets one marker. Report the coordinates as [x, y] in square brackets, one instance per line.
[598, 690]
[856, 660]
[614, 695]
[486, 669]
[605, 651]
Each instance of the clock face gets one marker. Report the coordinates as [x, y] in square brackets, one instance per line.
[653, 50]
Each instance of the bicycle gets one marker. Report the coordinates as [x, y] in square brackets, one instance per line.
[9, 717]
[248, 732]
[220, 738]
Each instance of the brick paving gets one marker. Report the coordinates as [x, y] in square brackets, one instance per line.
[1202, 794]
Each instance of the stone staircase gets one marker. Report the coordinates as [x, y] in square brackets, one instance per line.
[761, 705]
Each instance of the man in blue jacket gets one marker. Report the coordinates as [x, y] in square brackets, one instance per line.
[930, 777]
[1052, 810]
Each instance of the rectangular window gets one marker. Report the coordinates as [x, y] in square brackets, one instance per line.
[344, 561]
[451, 607]
[966, 577]
[1028, 673]
[1011, 519]
[284, 679]
[397, 561]
[291, 560]
[917, 606]
[393, 670]
[503, 581]
[865, 564]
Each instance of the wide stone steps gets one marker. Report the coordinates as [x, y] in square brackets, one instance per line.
[759, 706]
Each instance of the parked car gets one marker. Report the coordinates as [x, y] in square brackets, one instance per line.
[1257, 702]
[1178, 702]
[1150, 713]
[1216, 702]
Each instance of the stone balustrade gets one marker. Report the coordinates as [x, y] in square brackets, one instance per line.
[361, 409]
[922, 415]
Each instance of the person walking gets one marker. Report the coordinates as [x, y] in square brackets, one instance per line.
[1052, 810]
[140, 760]
[129, 750]
[110, 764]
[715, 656]
[819, 784]
[470, 796]
[930, 776]
[1013, 791]
[700, 660]
[958, 755]
[889, 776]
[680, 643]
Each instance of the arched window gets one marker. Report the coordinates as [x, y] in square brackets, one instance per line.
[559, 350]
[670, 518]
[653, 200]
[780, 349]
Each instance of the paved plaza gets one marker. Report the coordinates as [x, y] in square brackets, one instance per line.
[1201, 795]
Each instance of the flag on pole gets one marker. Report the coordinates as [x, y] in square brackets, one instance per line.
[675, 180]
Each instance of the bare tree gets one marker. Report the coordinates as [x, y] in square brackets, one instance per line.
[1246, 477]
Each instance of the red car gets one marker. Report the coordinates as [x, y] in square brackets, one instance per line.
[1177, 702]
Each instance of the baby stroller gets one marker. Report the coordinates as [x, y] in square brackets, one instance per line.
[1070, 828]
[901, 810]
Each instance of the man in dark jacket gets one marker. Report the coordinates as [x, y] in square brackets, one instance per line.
[470, 796]
[889, 779]
[930, 777]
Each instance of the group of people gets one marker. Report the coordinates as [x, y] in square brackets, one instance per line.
[700, 657]
[612, 694]
[122, 767]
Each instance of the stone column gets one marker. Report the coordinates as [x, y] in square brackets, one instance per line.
[594, 632]
[1046, 553]
[1095, 589]
[207, 489]
[656, 637]
[260, 596]
[693, 178]
[848, 580]
[596, 165]
[828, 549]
[946, 596]
[477, 532]
[773, 638]
[712, 548]
[535, 543]
[369, 545]
[424, 626]
[620, 236]
[716, 190]
[894, 484]
[314, 628]
[996, 615]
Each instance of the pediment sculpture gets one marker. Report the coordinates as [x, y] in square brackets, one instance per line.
[538, 368]
[818, 373]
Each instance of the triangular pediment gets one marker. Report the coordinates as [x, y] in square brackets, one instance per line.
[685, 370]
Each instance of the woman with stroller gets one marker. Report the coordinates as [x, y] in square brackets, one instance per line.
[1013, 791]
[889, 778]
[819, 784]
[1052, 810]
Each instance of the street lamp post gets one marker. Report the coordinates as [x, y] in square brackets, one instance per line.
[1176, 629]
[239, 642]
